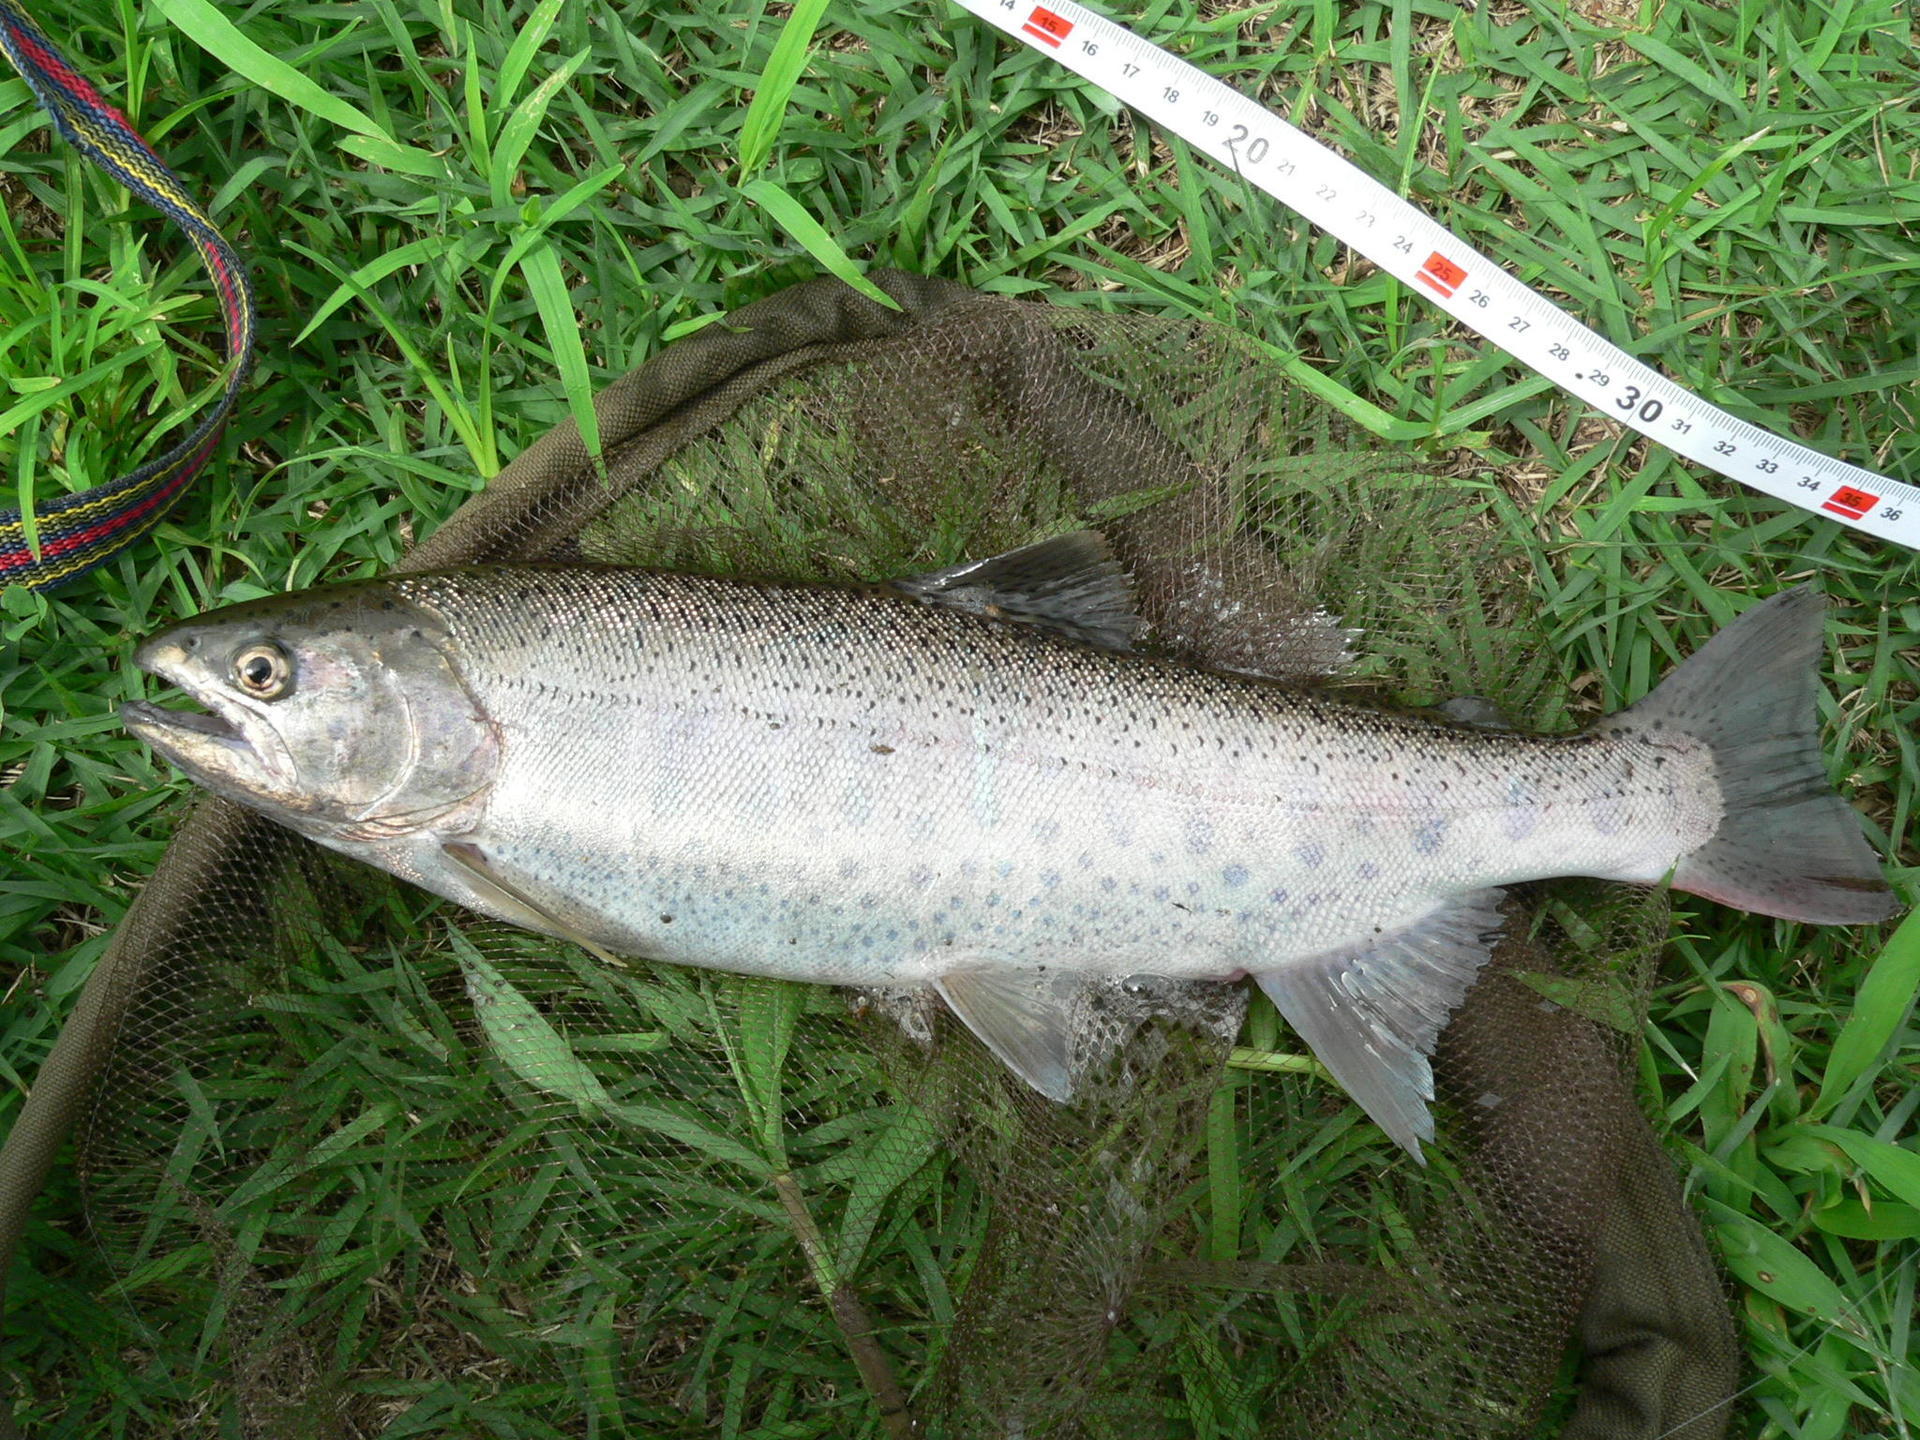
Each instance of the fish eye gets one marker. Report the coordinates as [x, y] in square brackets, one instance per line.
[264, 671]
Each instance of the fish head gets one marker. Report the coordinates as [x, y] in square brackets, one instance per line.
[340, 712]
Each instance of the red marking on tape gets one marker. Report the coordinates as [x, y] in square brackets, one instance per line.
[1047, 27]
[1441, 274]
[1852, 503]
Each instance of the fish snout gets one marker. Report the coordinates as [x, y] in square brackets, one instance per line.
[166, 655]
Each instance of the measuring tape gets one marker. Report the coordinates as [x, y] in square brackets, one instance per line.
[1352, 206]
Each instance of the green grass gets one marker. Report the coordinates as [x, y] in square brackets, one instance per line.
[466, 217]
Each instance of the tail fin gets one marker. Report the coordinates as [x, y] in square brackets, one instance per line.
[1787, 844]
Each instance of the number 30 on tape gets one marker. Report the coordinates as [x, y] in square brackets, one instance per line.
[1347, 203]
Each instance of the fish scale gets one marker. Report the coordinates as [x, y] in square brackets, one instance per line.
[769, 780]
[969, 780]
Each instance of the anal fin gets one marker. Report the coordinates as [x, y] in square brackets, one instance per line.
[1372, 1013]
[1024, 1017]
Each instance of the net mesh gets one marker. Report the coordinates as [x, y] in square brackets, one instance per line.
[394, 1160]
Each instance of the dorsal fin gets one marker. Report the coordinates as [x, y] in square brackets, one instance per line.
[1070, 584]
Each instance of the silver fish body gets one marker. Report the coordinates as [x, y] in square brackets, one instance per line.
[858, 789]
[877, 787]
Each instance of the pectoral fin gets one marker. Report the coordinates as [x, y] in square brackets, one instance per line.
[1373, 1013]
[1022, 1016]
[510, 902]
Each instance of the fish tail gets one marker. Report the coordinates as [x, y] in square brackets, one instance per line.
[1787, 845]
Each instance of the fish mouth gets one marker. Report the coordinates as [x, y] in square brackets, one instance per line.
[230, 746]
[149, 721]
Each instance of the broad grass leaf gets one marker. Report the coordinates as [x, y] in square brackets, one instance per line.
[213, 32]
[524, 1039]
[541, 266]
[770, 96]
[1879, 1005]
[1774, 1266]
[1851, 1220]
[1894, 1167]
[811, 236]
[532, 35]
[684, 1124]
[894, 1155]
[416, 252]
[286, 1165]
[517, 134]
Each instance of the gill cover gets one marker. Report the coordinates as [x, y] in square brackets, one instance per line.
[340, 712]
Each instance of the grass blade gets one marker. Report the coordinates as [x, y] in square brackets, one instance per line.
[541, 266]
[524, 1039]
[517, 134]
[1879, 1005]
[794, 218]
[770, 96]
[1893, 1167]
[526, 44]
[201, 23]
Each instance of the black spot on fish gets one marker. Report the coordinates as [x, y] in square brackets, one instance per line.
[666, 919]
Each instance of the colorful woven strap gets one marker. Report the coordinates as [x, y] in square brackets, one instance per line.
[77, 532]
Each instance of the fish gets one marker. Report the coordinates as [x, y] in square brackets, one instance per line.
[979, 780]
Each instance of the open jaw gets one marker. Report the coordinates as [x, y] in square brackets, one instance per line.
[227, 747]
[153, 721]
[212, 748]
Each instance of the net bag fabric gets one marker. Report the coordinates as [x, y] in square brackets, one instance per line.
[381, 1163]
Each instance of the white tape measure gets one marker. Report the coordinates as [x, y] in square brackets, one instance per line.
[1344, 201]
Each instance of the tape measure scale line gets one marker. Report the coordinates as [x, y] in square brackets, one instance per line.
[1339, 198]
